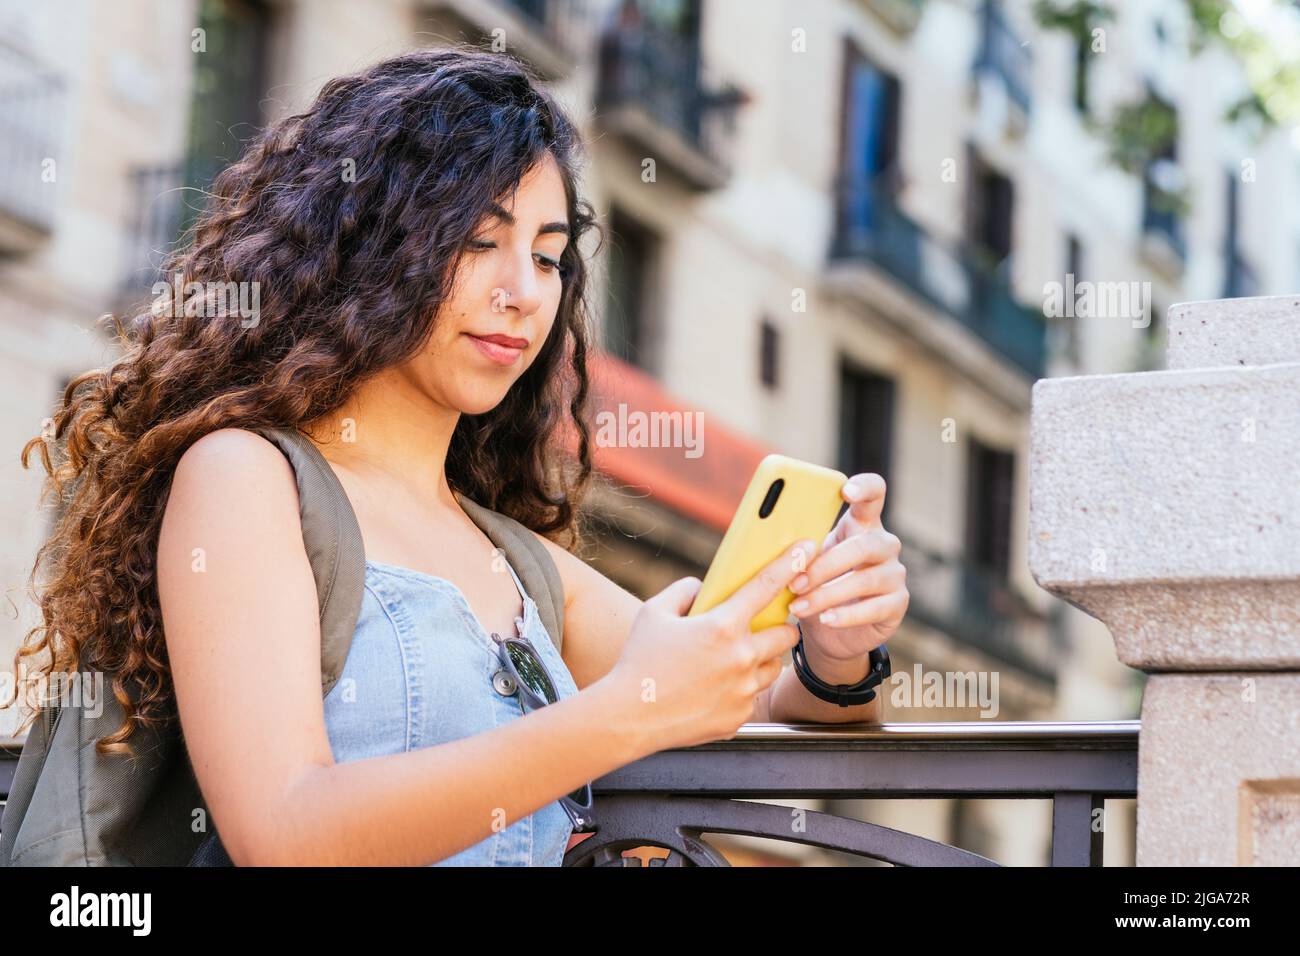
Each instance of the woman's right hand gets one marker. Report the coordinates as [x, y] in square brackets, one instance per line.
[691, 680]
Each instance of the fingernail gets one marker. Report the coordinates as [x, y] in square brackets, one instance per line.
[799, 606]
[852, 488]
[827, 617]
[799, 583]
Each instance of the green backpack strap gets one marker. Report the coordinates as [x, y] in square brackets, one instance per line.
[531, 561]
[332, 538]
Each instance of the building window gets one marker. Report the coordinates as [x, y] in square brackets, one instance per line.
[229, 80]
[988, 509]
[869, 130]
[991, 200]
[1240, 277]
[866, 423]
[1073, 267]
[1082, 60]
[769, 354]
[1163, 180]
[630, 331]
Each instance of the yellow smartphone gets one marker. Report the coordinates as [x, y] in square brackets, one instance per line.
[787, 500]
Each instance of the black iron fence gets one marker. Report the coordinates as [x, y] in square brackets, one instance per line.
[673, 798]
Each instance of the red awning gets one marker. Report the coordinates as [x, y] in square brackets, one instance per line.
[703, 475]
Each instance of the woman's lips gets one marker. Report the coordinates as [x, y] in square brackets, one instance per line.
[495, 349]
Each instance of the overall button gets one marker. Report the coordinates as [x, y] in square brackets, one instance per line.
[503, 683]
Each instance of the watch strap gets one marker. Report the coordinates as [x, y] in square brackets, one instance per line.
[843, 695]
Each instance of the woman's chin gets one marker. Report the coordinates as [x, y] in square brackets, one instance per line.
[480, 402]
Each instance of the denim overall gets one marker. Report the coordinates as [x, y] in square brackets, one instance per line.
[422, 671]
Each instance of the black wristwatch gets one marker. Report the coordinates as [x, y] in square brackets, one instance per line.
[846, 695]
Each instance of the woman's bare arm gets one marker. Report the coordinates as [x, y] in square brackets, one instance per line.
[243, 638]
[598, 615]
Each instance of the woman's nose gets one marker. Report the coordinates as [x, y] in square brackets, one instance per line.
[523, 289]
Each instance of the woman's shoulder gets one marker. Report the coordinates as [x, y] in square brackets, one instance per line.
[232, 475]
[583, 584]
[230, 447]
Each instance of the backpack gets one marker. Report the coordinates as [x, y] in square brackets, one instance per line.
[70, 806]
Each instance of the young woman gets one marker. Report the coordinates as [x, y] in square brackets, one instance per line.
[415, 240]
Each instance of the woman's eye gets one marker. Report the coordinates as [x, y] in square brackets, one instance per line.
[548, 264]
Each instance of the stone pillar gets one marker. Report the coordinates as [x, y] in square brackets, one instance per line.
[1167, 505]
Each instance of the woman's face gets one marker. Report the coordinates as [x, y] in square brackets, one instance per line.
[505, 297]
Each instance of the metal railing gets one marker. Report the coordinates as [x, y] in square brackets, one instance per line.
[156, 214]
[952, 277]
[31, 107]
[561, 22]
[672, 798]
[665, 75]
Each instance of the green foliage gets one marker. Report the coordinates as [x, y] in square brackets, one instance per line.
[1075, 17]
[1141, 131]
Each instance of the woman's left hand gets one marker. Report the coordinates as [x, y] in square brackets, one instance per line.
[855, 588]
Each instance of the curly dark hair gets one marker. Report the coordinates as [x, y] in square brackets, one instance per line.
[359, 266]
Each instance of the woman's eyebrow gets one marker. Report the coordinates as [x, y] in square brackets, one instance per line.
[501, 213]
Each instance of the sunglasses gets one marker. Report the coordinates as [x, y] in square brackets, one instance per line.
[537, 689]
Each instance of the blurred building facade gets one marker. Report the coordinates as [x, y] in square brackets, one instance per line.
[832, 227]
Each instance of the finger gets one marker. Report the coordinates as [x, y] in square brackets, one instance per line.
[865, 494]
[877, 610]
[856, 585]
[758, 592]
[836, 534]
[772, 642]
[769, 671]
[678, 597]
[864, 549]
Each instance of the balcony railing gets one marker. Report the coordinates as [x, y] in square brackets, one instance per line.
[951, 277]
[670, 799]
[31, 106]
[1003, 53]
[156, 212]
[653, 89]
[548, 34]
[980, 609]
